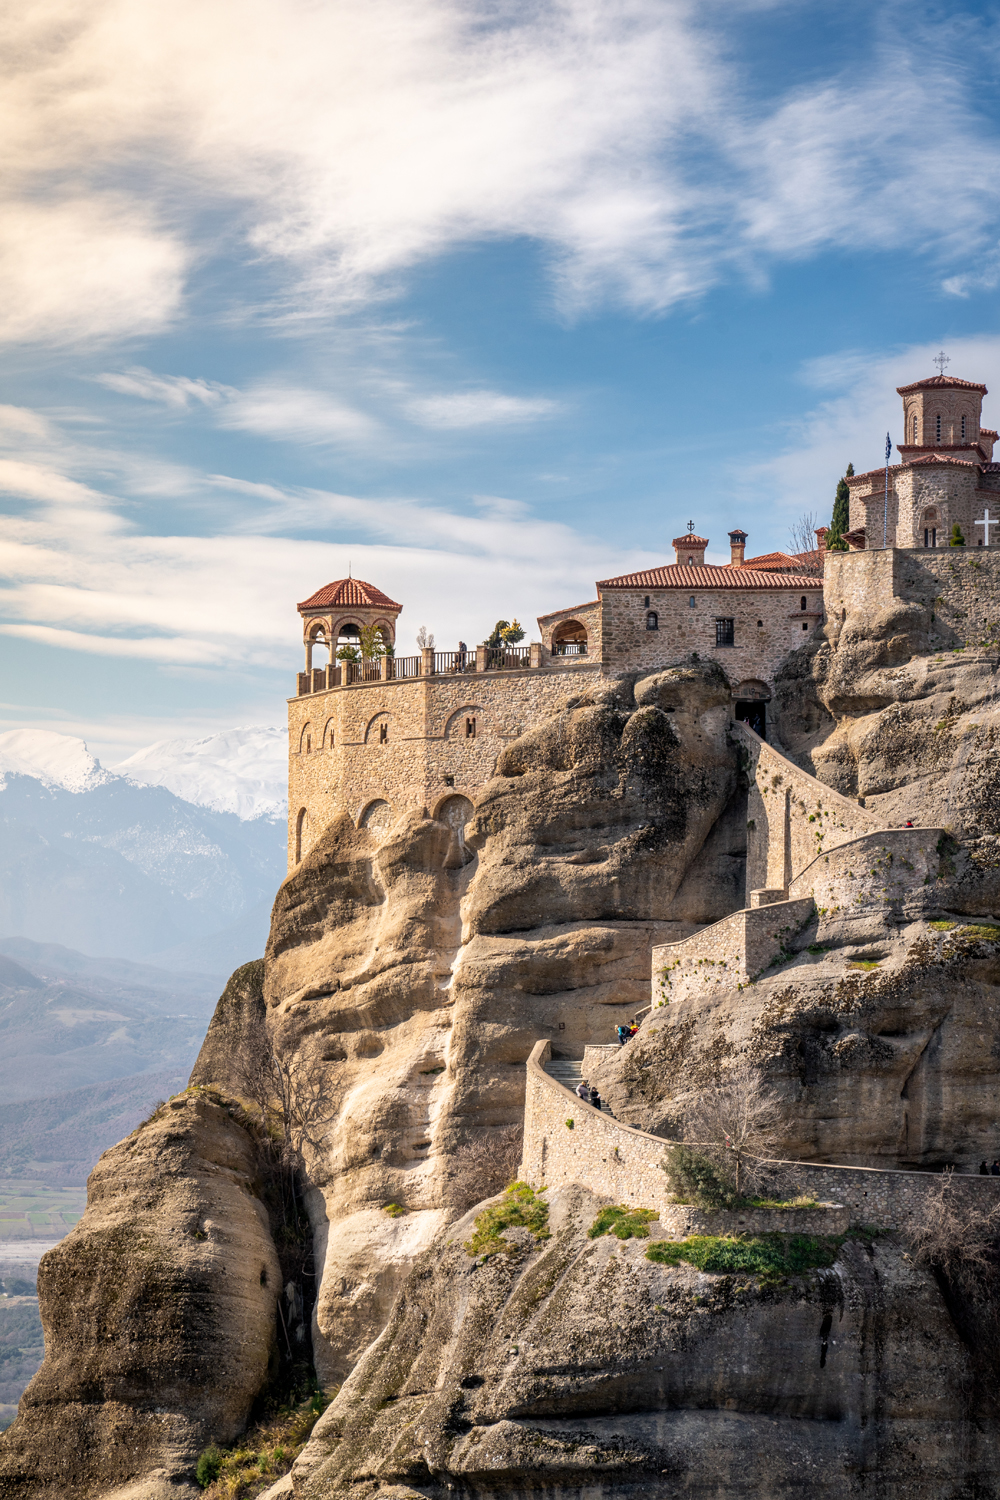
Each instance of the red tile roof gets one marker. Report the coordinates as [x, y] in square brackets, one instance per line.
[770, 562]
[349, 591]
[941, 382]
[681, 576]
[690, 541]
[911, 463]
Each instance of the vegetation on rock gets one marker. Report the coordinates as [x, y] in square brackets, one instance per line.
[624, 1223]
[263, 1454]
[769, 1257]
[520, 1207]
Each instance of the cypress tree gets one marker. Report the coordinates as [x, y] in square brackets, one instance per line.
[841, 515]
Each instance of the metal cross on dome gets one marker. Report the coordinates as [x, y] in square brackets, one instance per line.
[941, 360]
[690, 526]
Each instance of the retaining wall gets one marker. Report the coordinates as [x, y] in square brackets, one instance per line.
[622, 1165]
[732, 952]
[791, 817]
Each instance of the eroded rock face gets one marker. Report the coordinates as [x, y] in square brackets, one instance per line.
[413, 972]
[874, 713]
[159, 1316]
[581, 1366]
[894, 1065]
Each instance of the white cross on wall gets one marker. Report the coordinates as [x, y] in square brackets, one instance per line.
[986, 522]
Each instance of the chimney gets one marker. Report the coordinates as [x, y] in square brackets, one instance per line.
[690, 550]
[821, 532]
[737, 547]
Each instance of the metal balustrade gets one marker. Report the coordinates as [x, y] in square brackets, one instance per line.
[455, 661]
[404, 666]
[570, 648]
[507, 658]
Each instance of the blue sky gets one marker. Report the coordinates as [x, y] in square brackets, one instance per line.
[485, 300]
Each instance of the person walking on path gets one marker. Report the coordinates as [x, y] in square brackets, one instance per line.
[583, 1090]
[995, 1169]
[984, 1170]
[595, 1099]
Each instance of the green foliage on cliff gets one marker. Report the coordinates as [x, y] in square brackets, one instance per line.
[769, 1257]
[624, 1223]
[520, 1207]
[695, 1179]
[262, 1455]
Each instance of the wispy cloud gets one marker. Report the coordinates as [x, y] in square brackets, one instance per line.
[342, 145]
[178, 391]
[479, 409]
[297, 415]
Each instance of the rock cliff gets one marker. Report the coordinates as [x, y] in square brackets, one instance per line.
[412, 972]
[581, 1366]
[158, 1311]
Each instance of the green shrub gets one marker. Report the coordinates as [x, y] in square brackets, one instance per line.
[520, 1206]
[624, 1223]
[770, 1257]
[394, 1210]
[956, 539]
[696, 1179]
[208, 1466]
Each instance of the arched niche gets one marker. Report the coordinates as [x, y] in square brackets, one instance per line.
[377, 817]
[306, 740]
[301, 833]
[465, 723]
[377, 732]
[455, 810]
[329, 731]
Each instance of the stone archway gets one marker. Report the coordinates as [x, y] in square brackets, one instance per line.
[377, 818]
[750, 707]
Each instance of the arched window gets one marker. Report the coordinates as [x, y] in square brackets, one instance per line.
[963, 427]
[691, 602]
[802, 602]
[652, 620]
[305, 740]
[328, 740]
[301, 826]
[569, 639]
[914, 430]
[937, 428]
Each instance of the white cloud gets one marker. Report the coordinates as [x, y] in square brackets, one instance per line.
[479, 409]
[345, 143]
[169, 390]
[84, 269]
[296, 414]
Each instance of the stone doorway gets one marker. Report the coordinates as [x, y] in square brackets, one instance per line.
[754, 716]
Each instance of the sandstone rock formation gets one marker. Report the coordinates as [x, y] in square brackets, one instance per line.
[158, 1311]
[883, 1047]
[412, 972]
[580, 1366]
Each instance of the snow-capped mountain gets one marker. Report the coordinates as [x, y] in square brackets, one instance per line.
[103, 863]
[53, 759]
[242, 771]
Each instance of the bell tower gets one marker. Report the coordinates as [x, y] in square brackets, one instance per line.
[944, 415]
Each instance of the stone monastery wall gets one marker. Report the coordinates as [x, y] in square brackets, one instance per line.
[791, 817]
[442, 736]
[958, 586]
[768, 625]
[622, 1165]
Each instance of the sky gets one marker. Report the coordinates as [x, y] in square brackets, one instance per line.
[483, 301]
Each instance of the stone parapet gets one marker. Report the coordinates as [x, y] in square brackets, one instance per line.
[880, 871]
[622, 1165]
[730, 953]
[791, 816]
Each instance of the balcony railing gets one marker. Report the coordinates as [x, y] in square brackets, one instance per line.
[569, 648]
[404, 666]
[507, 658]
[455, 661]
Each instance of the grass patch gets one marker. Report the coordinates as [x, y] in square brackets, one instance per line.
[262, 1455]
[818, 948]
[864, 963]
[769, 1257]
[943, 926]
[520, 1207]
[983, 934]
[394, 1210]
[624, 1223]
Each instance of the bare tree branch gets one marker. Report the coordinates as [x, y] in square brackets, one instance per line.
[736, 1124]
[802, 538]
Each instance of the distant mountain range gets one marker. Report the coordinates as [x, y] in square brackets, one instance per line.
[173, 857]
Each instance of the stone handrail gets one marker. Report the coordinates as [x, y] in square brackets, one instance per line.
[621, 1164]
[731, 952]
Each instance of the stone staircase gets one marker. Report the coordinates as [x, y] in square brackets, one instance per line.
[569, 1073]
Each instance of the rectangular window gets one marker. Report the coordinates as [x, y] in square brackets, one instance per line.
[470, 729]
[725, 632]
[383, 734]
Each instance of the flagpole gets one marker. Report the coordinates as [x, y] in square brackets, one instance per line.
[885, 513]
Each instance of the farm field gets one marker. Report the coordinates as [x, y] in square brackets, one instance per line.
[35, 1211]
